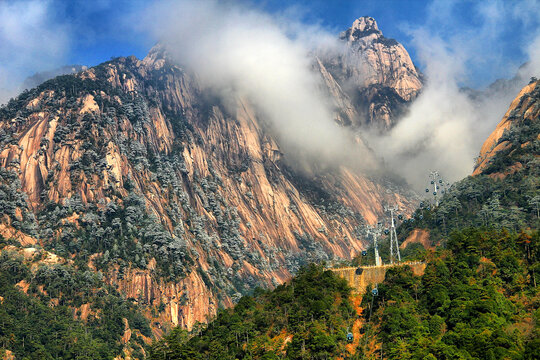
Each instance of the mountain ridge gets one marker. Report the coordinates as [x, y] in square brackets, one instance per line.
[175, 198]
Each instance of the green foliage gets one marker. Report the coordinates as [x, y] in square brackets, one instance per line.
[42, 324]
[472, 302]
[314, 309]
[481, 201]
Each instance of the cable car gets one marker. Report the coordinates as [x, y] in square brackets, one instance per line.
[386, 232]
[428, 208]
[421, 204]
[364, 252]
[432, 182]
[434, 193]
[427, 190]
[440, 181]
[422, 216]
[375, 292]
[350, 337]
[400, 217]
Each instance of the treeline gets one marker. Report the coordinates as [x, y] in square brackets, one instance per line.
[44, 322]
[478, 299]
[306, 318]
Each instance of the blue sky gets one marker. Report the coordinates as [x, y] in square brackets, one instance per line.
[489, 37]
[105, 32]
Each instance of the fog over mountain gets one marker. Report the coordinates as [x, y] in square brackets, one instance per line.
[238, 49]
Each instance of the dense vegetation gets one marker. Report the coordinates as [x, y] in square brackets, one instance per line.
[45, 322]
[306, 318]
[478, 299]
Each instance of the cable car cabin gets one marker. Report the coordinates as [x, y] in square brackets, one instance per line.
[432, 182]
[375, 292]
[386, 232]
[364, 253]
[350, 337]
[400, 217]
[427, 190]
[440, 181]
[422, 216]
[434, 193]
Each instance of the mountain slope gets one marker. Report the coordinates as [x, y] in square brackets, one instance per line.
[183, 203]
[306, 318]
[515, 133]
[504, 189]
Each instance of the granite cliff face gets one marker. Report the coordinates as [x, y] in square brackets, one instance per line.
[183, 203]
[515, 134]
[376, 73]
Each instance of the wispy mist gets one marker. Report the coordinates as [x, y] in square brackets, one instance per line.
[30, 41]
[244, 53]
[446, 126]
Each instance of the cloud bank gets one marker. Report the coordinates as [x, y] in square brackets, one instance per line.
[31, 40]
[446, 126]
[241, 52]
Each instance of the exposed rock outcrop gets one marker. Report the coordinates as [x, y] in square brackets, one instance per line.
[182, 202]
[523, 111]
[377, 74]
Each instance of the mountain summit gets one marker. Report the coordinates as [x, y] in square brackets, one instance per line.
[360, 28]
[376, 72]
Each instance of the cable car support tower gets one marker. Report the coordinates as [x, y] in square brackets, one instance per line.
[393, 236]
[375, 232]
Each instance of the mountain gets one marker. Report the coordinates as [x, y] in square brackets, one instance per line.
[183, 203]
[477, 298]
[375, 72]
[38, 78]
[514, 135]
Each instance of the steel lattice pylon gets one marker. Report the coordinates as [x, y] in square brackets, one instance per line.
[375, 232]
[393, 236]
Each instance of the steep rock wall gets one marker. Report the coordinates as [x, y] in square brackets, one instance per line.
[131, 162]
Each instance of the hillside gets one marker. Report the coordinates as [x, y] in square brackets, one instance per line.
[307, 317]
[182, 202]
[50, 309]
[476, 300]
[478, 297]
[504, 188]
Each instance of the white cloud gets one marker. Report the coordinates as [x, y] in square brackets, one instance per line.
[242, 52]
[30, 41]
[445, 128]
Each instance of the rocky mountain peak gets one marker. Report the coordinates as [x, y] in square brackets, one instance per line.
[376, 72]
[361, 27]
